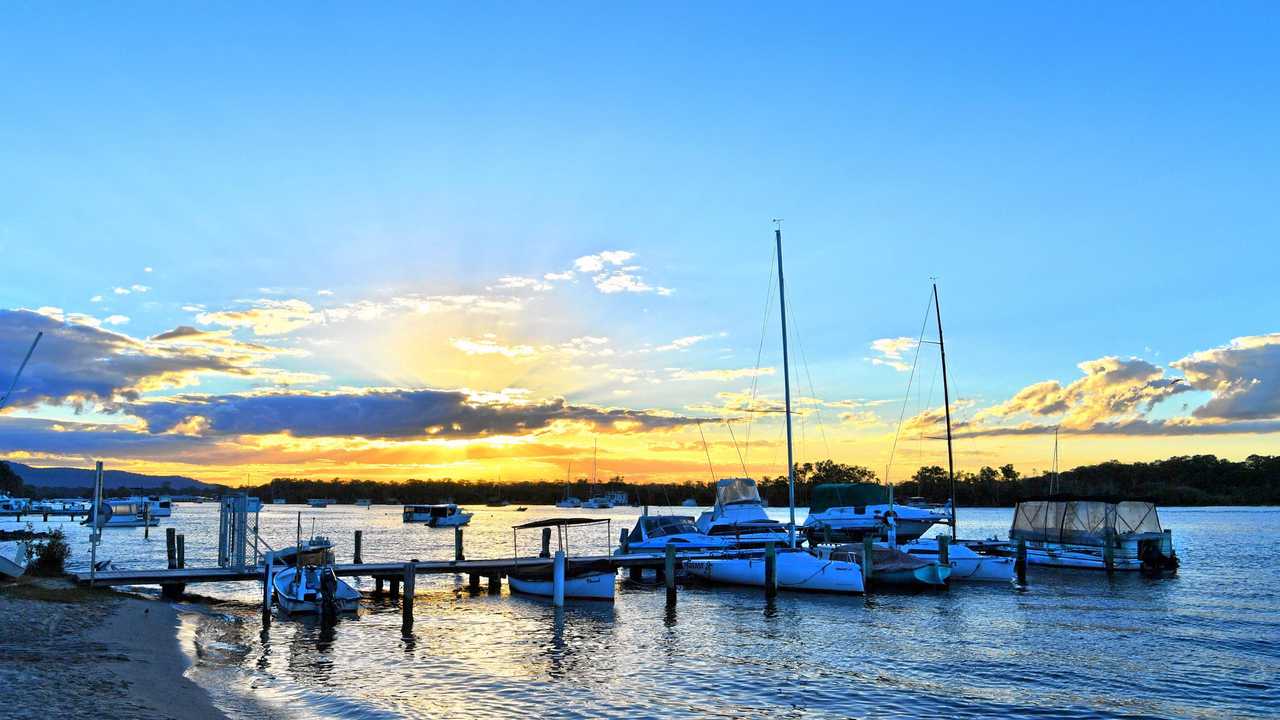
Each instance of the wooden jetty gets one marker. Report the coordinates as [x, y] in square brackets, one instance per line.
[17, 515]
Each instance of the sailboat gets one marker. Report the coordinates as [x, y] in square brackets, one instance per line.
[967, 564]
[569, 501]
[796, 569]
[599, 501]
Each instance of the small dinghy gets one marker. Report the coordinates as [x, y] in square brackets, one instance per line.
[891, 566]
[302, 591]
[14, 558]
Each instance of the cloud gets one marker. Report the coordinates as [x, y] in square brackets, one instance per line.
[121, 291]
[386, 413]
[489, 345]
[146, 269]
[560, 276]
[116, 320]
[324, 292]
[516, 282]
[265, 317]
[1244, 377]
[597, 262]
[683, 343]
[139, 288]
[891, 352]
[95, 299]
[718, 375]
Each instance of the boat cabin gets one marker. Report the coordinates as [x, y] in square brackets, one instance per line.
[1089, 531]
[429, 513]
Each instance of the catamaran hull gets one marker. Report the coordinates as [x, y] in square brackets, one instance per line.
[966, 565]
[592, 586]
[798, 571]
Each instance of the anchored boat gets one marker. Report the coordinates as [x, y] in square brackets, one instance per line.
[653, 533]
[739, 518]
[583, 580]
[1096, 533]
[441, 515]
[847, 512]
[122, 513]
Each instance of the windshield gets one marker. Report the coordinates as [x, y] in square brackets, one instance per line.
[736, 490]
[669, 525]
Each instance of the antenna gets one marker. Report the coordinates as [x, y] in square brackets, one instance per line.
[4, 399]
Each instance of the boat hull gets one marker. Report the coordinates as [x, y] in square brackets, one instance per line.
[796, 571]
[308, 602]
[590, 586]
[966, 565]
[451, 521]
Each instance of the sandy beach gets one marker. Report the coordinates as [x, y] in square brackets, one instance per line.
[66, 651]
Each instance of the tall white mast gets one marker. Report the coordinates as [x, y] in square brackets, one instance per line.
[786, 387]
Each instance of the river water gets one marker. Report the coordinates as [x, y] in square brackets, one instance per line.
[1203, 644]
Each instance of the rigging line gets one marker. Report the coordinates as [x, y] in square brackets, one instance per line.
[735, 447]
[822, 428]
[764, 324]
[707, 450]
[907, 398]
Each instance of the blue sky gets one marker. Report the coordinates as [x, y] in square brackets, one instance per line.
[1087, 181]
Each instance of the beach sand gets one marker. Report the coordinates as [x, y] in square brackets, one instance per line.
[66, 651]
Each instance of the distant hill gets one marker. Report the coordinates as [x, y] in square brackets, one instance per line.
[65, 477]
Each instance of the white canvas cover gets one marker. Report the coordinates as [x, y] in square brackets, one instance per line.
[1081, 521]
[736, 490]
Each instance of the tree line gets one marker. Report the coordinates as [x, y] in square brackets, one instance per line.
[1182, 480]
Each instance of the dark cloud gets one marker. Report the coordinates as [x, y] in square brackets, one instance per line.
[1243, 376]
[391, 413]
[77, 364]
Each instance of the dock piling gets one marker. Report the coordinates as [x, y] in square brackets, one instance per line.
[171, 590]
[395, 587]
[557, 579]
[473, 583]
[457, 544]
[546, 543]
[669, 573]
[406, 605]
[359, 537]
[622, 541]
[495, 583]
[182, 550]
[868, 561]
[1109, 552]
[377, 585]
[1020, 563]
[266, 591]
[770, 569]
[944, 550]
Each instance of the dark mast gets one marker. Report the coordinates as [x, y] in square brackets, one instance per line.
[946, 404]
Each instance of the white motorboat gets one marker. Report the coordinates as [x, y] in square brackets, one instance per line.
[14, 558]
[440, 515]
[320, 502]
[13, 504]
[318, 550]
[738, 516]
[570, 503]
[689, 502]
[299, 591]
[653, 533]
[364, 502]
[583, 579]
[599, 502]
[279, 501]
[122, 513]
[796, 569]
[966, 564]
[846, 512]
[160, 506]
[1070, 531]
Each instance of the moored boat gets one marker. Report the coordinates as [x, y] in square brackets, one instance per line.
[122, 513]
[301, 590]
[583, 579]
[14, 558]
[439, 515]
[320, 502]
[1092, 532]
[796, 569]
[738, 516]
[847, 512]
[652, 533]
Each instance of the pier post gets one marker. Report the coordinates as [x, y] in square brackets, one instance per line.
[546, 543]
[770, 569]
[868, 561]
[406, 605]
[182, 550]
[359, 537]
[557, 579]
[1109, 552]
[635, 573]
[171, 590]
[622, 541]
[495, 583]
[377, 585]
[146, 519]
[1020, 563]
[46, 517]
[944, 550]
[395, 587]
[1166, 544]
[473, 583]
[457, 544]
[266, 591]
[669, 573]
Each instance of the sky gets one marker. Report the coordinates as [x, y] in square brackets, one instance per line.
[481, 240]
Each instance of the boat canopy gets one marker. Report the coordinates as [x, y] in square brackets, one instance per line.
[831, 495]
[736, 490]
[1083, 520]
[559, 522]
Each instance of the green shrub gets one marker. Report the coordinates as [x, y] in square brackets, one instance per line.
[50, 557]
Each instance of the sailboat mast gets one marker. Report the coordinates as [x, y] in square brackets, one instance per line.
[786, 387]
[946, 404]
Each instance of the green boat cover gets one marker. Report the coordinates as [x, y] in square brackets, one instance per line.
[847, 495]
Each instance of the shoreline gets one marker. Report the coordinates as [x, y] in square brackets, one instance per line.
[117, 655]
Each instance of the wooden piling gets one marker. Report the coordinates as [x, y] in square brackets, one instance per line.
[557, 579]
[457, 544]
[770, 569]
[1020, 562]
[1109, 552]
[267, 590]
[546, 543]
[669, 573]
[406, 605]
[868, 561]
[377, 585]
[46, 517]
[944, 550]
[473, 583]
[395, 587]
[495, 583]
[171, 590]
[359, 537]
[182, 550]
[622, 540]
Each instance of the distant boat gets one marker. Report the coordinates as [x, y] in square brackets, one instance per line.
[689, 502]
[14, 558]
[521, 509]
[600, 502]
[441, 515]
[364, 502]
[13, 504]
[320, 502]
[497, 503]
[299, 592]
[122, 513]
[569, 502]
[279, 501]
